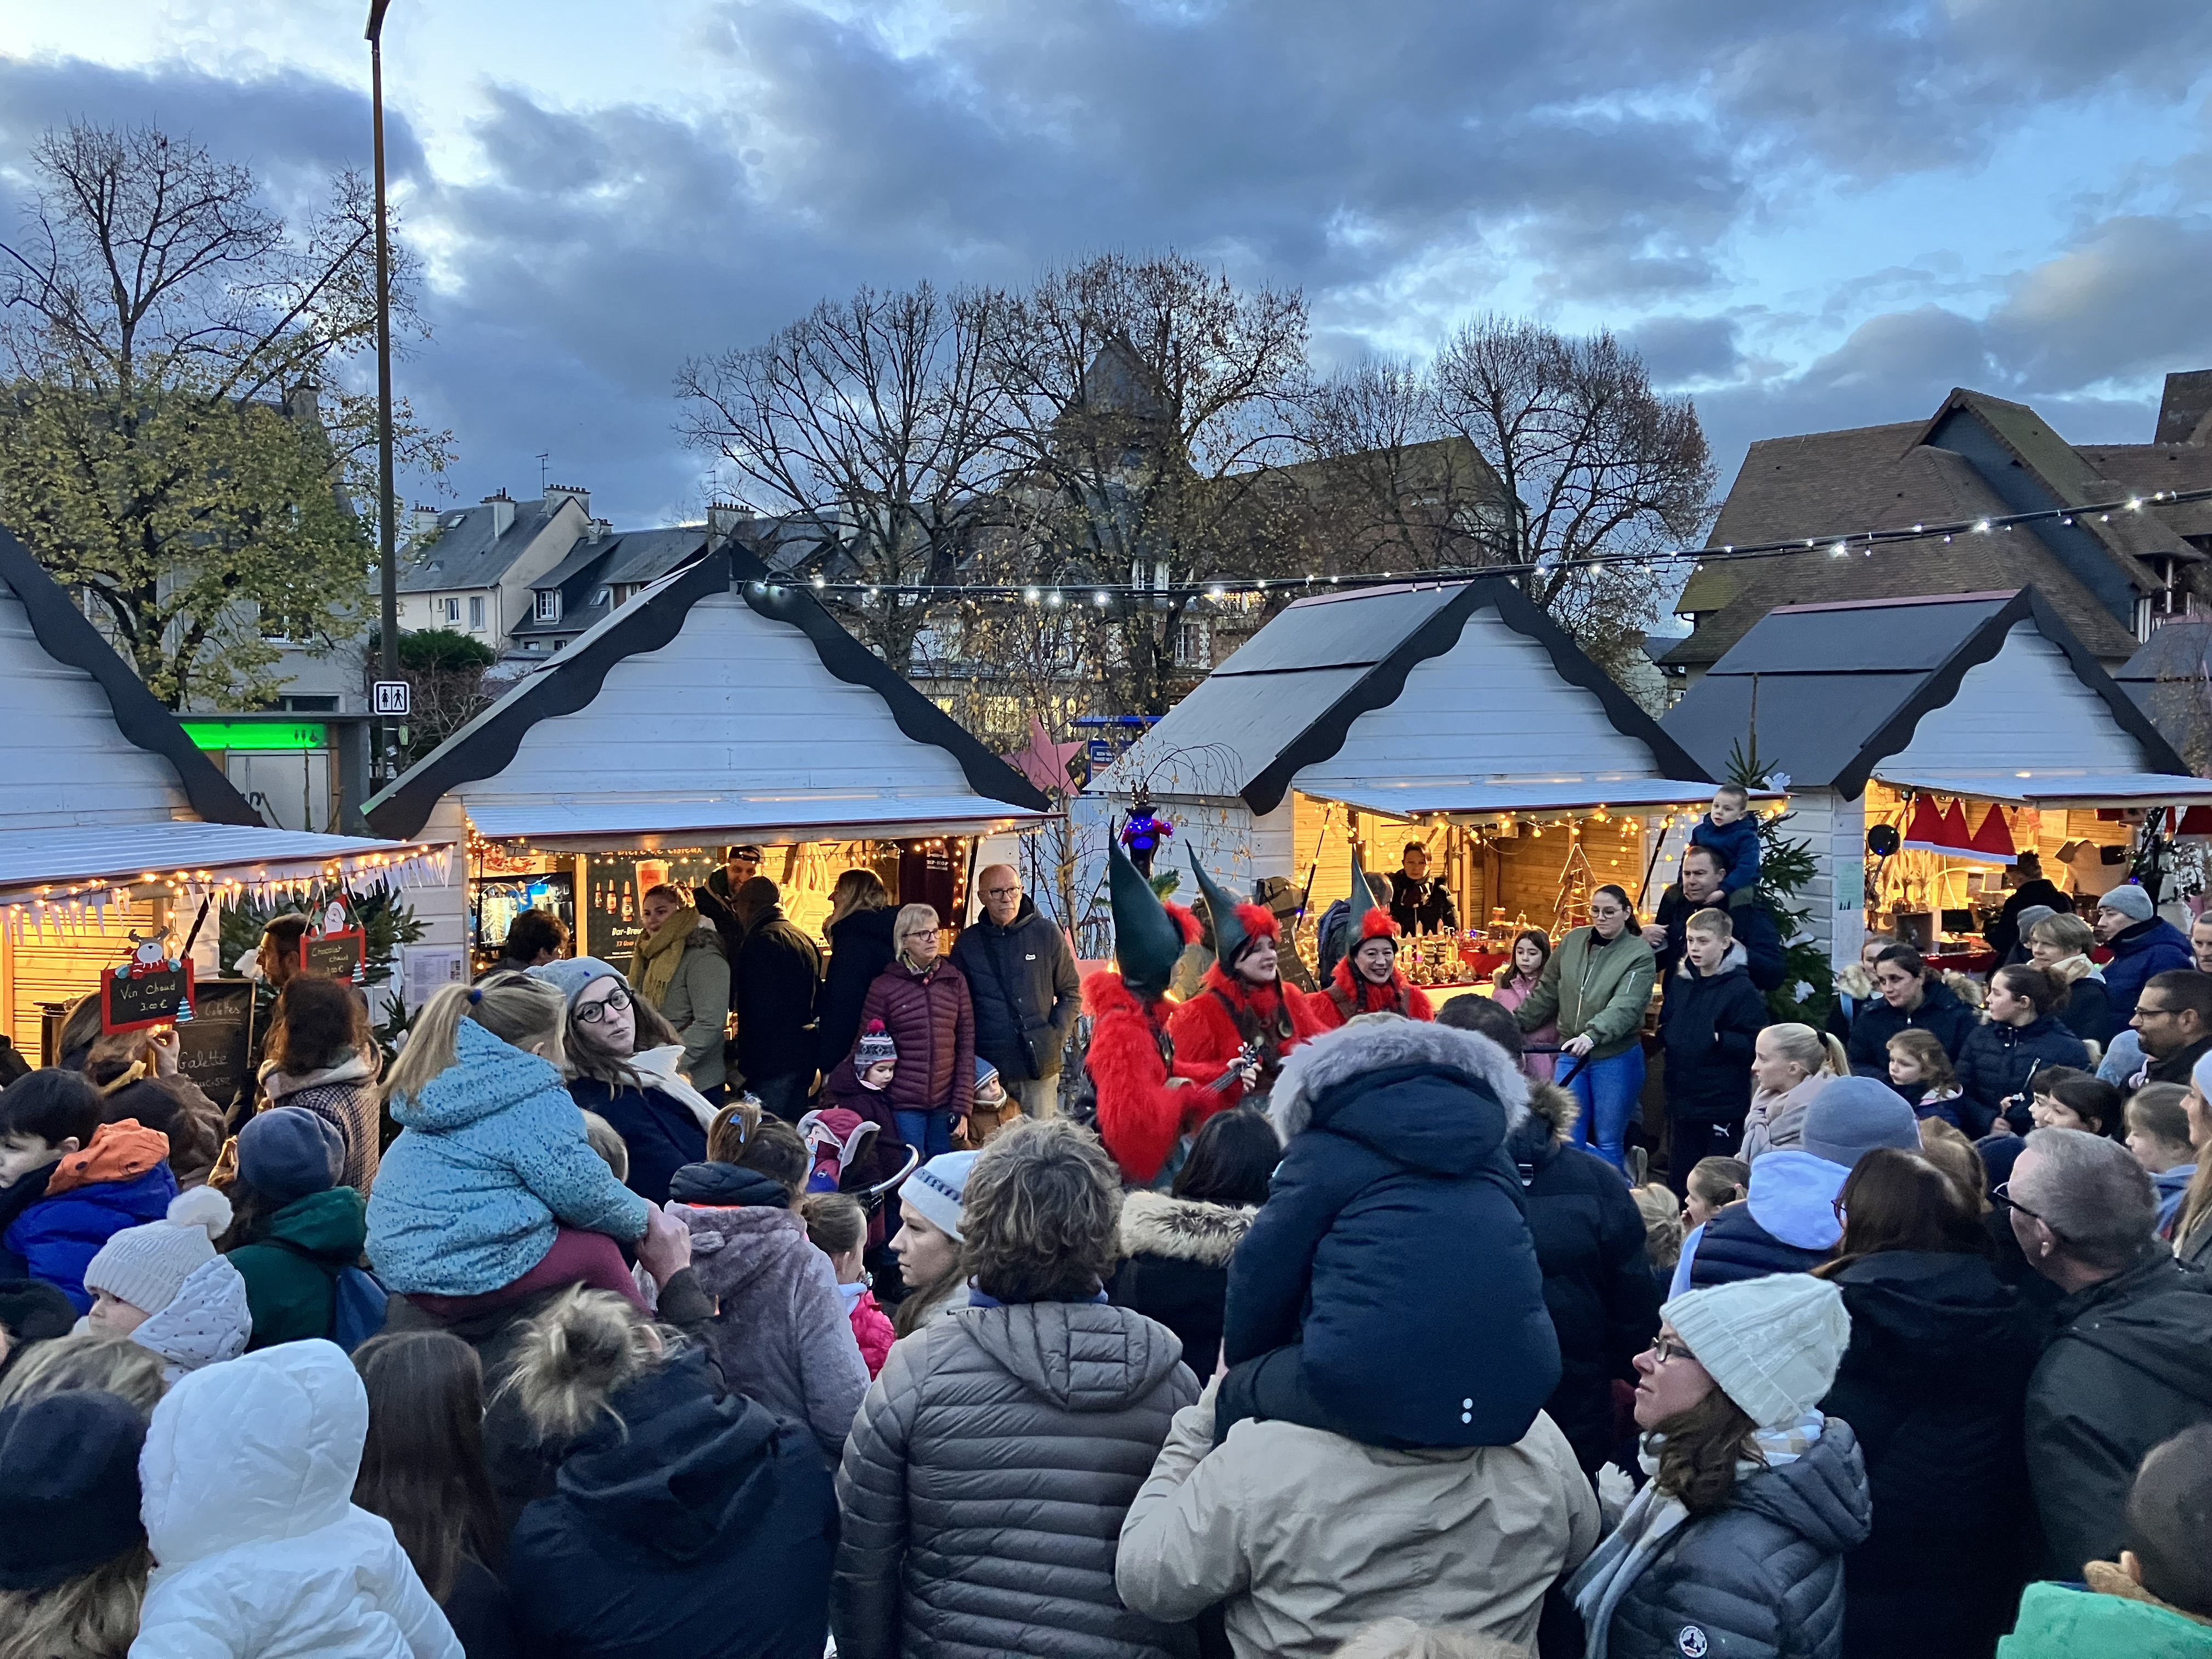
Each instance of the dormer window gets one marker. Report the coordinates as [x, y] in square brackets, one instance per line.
[549, 606]
[605, 595]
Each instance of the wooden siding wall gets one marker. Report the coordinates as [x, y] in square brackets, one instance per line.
[2025, 707]
[60, 966]
[1493, 706]
[735, 701]
[61, 755]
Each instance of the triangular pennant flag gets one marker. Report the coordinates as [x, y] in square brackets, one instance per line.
[1994, 839]
[1957, 837]
[1924, 831]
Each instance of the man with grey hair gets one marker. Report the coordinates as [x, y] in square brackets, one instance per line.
[1021, 975]
[2131, 1362]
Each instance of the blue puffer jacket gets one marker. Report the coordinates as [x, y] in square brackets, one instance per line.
[491, 1156]
[661, 1133]
[1996, 1063]
[1762, 1578]
[1397, 1178]
[57, 1237]
[1787, 1226]
[2150, 947]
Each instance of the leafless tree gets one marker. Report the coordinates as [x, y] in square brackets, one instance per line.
[870, 430]
[1592, 462]
[1152, 396]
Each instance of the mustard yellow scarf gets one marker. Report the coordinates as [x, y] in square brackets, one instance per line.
[653, 968]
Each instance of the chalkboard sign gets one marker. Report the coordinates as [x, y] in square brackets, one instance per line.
[143, 996]
[334, 956]
[212, 1050]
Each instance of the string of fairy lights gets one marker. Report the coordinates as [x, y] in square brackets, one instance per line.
[1840, 544]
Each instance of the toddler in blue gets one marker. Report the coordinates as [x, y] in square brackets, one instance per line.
[1729, 829]
[491, 1164]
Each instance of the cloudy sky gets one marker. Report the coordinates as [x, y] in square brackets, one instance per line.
[1808, 214]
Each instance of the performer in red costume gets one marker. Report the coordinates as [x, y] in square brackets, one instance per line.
[1244, 1003]
[1142, 1110]
[1367, 980]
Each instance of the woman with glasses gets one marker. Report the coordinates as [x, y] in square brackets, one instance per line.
[1736, 1546]
[621, 1059]
[1598, 985]
[1935, 1384]
[923, 1000]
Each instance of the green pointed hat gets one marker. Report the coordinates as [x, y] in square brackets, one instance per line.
[1146, 940]
[1363, 895]
[1230, 937]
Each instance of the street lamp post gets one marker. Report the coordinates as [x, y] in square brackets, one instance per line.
[386, 508]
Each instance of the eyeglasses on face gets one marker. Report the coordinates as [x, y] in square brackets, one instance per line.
[2002, 1194]
[591, 1013]
[1665, 1348]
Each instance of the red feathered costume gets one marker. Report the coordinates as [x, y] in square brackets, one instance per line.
[1209, 1028]
[1352, 994]
[1141, 1113]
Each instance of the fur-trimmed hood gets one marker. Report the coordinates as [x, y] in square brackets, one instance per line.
[1553, 1107]
[1375, 1042]
[1182, 1229]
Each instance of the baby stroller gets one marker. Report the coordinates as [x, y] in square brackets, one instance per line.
[845, 1159]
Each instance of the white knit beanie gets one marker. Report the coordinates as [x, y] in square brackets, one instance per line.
[1772, 1344]
[144, 1266]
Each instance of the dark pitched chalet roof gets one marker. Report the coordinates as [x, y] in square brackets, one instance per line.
[1837, 689]
[1287, 698]
[573, 680]
[471, 553]
[1977, 456]
[2171, 680]
[64, 634]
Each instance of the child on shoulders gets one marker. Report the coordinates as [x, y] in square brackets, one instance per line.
[491, 1193]
[1729, 829]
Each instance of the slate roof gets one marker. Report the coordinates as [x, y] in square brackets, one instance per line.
[622, 558]
[1976, 456]
[1837, 689]
[1287, 697]
[469, 552]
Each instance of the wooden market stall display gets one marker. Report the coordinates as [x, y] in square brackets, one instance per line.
[1928, 742]
[1452, 714]
[118, 835]
[722, 705]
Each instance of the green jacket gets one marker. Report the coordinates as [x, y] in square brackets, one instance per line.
[698, 1006]
[2059, 1623]
[290, 1286]
[1599, 993]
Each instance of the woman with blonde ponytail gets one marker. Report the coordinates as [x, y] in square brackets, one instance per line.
[670, 1490]
[492, 1192]
[1790, 1065]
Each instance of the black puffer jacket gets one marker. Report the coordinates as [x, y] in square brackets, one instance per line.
[1934, 1384]
[1023, 982]
[683, 1522]
[1754, 931]
[1175, 1267]
[985, 1482]
[1598, 1284]
[1708, 1025]
[859, 948]
[2126, 1368]
[1760, 1579]
[1395, 1178]
[1940, 1013]
[774, 981]
[1996, 1063]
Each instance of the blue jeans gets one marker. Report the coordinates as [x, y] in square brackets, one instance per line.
[931, 1132]
[1609, 1092]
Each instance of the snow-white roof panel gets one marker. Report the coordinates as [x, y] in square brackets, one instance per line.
[118, 854]
[768, 818]
[1416, 797]
[2055, 788]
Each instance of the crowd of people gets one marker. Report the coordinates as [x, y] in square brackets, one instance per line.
[1300, 1322]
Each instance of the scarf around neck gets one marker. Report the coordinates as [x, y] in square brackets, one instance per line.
[1652, 1519]
[661, 953]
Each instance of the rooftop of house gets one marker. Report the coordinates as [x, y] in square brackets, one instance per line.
[475, 546]
[597, 566]
[1977, 456]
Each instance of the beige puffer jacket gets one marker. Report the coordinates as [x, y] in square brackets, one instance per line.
[1307, 1537]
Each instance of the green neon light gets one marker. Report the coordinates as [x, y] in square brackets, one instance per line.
[253, 734]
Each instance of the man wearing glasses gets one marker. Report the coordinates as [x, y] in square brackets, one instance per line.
[2128, 1366]
[1022, 977]
[2174, 1021]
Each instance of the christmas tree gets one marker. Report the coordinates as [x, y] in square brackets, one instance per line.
[1807, 991]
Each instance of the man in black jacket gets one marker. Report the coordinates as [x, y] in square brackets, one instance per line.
[1022, 980]
[1598, 1284]
[2173, 1019]
[1711, 1019]
[1700, 887]
[772, 984]
[2126, 1367]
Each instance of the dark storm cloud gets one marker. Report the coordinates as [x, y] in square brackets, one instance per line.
[1600, 154]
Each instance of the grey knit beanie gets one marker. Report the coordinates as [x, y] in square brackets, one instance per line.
[145, 1266]
[2128, 900]
[570, 974]
[1852, 1116]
